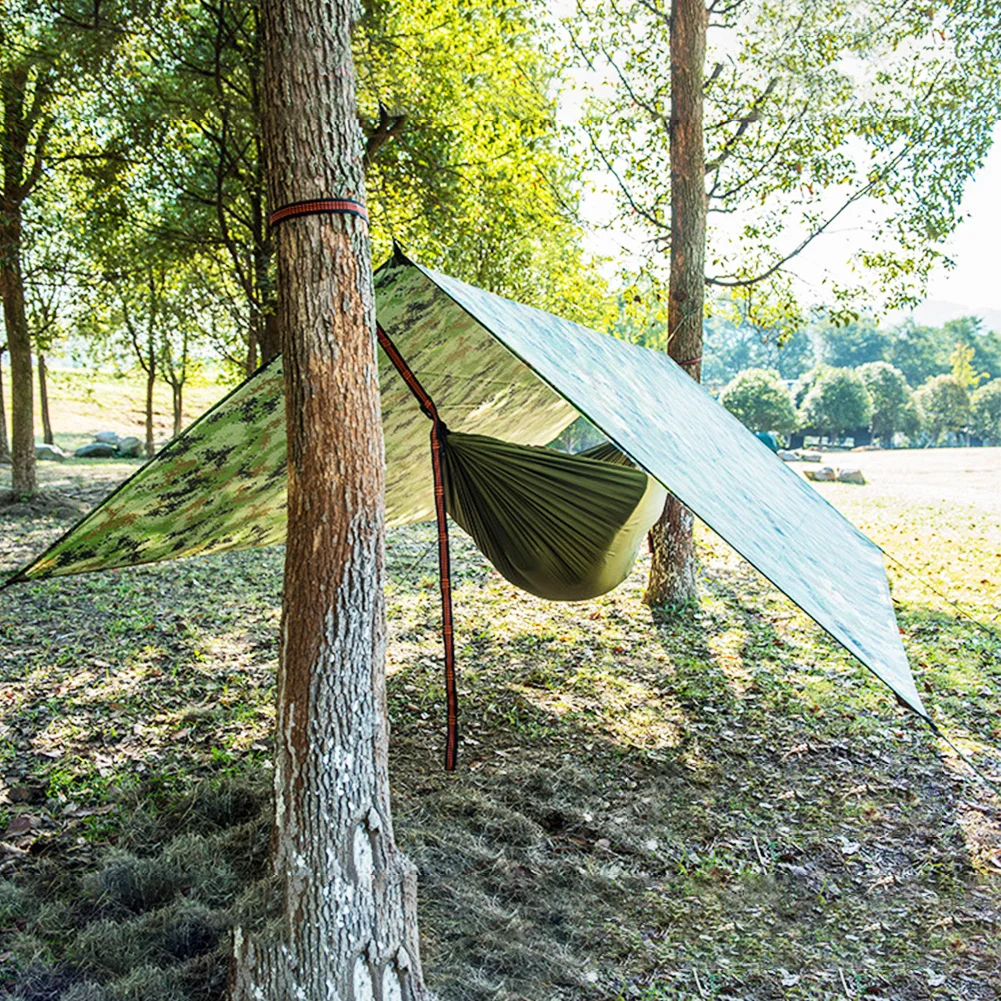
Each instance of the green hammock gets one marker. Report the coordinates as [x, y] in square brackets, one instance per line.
[563, 527]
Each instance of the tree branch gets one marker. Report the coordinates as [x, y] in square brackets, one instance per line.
[856, 196]
[745, 123]
[35, 173]
[389, 126]
[643, 213]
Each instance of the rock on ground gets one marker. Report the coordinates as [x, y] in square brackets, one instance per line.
[823, 475]
[828, 475]
[130, 448]
[50, 452]
[851, 476]
[96, 450]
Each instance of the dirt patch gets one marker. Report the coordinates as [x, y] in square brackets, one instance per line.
[48, 503]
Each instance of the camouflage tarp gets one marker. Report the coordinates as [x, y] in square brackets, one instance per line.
[498, 368]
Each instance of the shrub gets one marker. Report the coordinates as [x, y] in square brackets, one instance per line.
[945, 404]
[758, 400]
[838, 402]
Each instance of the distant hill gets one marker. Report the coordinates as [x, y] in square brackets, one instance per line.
[935, 312]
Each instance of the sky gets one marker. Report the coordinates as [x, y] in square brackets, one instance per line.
[976, 244]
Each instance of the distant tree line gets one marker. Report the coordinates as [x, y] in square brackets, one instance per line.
[917, 350]
[875, 398]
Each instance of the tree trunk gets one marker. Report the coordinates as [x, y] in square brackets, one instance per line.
[177, 397]
[672, 564]
[4, 444]
[23, 482]
[150, 381]
[348, 927]
[271, 338]
[43, 399]
[268, 330]
[250, 364]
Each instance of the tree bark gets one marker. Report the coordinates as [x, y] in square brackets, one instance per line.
[23, 482]
[250, 364]
[348, 927]
[43, 399]
[177, 398]
[4, 442]
[150, 382]
[672, 564]
[271, 337]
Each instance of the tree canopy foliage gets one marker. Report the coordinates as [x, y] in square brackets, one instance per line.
[985, 412]
[837, 402]
[758, 399]
[945, 404]
[813, 112]
[890, 396]
[464, 168]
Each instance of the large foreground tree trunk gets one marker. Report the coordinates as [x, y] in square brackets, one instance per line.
[19, 343]
[43, 400]
[672, 564]
[348, 924]
[4, 441]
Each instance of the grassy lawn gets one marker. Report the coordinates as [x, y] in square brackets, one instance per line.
[83, 403]
[713, 803]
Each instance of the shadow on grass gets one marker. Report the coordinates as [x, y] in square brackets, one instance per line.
[795, 821]
[711, 803]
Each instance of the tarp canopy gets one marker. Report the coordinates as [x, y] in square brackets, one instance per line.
[501, 369]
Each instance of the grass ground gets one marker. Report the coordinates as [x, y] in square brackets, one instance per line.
[83, 403]
[712, 803]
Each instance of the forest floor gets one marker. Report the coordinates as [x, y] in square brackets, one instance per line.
[712, 802]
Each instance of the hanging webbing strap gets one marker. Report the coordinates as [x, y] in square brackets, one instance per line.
[438, 435]
[317, 206]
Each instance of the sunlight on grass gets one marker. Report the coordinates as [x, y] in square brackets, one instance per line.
[640, 794]
[727, 653]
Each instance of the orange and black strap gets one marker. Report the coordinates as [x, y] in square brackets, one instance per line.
[315, 206]
[438, 434]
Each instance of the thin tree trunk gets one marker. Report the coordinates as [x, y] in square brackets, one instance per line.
[43, 399]
[250, 365]
[348, 927]
[271, 338]
[23, 483]
[150, 381]
[4, 442]
[177, 391]
[672, 564]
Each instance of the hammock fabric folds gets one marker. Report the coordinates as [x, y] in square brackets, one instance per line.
[563, 527]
